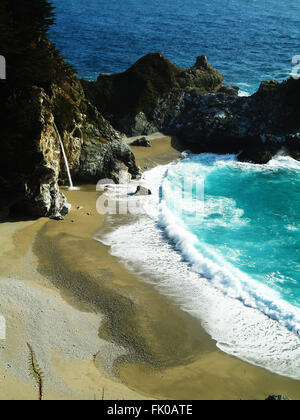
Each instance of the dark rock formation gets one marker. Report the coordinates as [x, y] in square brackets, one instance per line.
[257, 127]
[154, 95]
[31, 162]
[142, 191]
[127, 98]
[277, 398]
[201, 63]
[31, 159]
[143, 142]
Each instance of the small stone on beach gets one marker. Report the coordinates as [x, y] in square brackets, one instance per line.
[143, 141]
[142, 191]
[57, 217]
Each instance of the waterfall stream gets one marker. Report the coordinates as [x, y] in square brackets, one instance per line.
[71, 186]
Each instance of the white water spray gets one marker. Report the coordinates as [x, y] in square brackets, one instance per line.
[71, 186]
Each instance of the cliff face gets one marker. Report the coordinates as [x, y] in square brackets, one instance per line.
[256, 127]
[128, 99]
[42, 88]
[30, 156]
[31, 161]
[94, 148]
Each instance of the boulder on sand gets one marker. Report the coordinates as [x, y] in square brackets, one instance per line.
[141, 142]
[142, 191]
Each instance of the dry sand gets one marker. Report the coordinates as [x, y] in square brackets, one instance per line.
[97, 329]
[64, 337]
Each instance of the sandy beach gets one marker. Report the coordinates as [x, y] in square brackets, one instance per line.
[98, 331]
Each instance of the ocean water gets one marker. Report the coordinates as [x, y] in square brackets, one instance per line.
[222, 238]
[247, 40]
[245, 234]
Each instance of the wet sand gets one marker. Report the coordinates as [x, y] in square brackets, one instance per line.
[97, 330]
[164, 149]
[57, 322]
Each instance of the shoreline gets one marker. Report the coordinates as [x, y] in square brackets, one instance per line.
[129, 340]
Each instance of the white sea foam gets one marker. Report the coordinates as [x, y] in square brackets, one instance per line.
[292, 227]
[243, 93]
[244, 89]
[247, 319]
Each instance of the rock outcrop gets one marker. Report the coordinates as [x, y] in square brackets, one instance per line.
[128, 99]
[193, 104]
[31, 162]
[142, 142]
[94, 148]
[256, 127]
[140, 191]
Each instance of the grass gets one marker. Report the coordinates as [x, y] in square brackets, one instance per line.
[36, 371]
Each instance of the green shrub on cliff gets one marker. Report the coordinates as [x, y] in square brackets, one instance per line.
[30, 58]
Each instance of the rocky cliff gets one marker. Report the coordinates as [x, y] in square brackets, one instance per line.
[193, 104]
[256, 127]
[128, 99]
[31, 161]
[40, 89]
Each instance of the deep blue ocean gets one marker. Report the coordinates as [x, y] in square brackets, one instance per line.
[235, 266]
[246, 40]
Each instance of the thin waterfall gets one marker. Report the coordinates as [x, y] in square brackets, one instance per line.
[65, 158]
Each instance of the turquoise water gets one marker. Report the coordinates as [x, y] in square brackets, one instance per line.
[241, 229]
[247, 40]
[222, 238]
